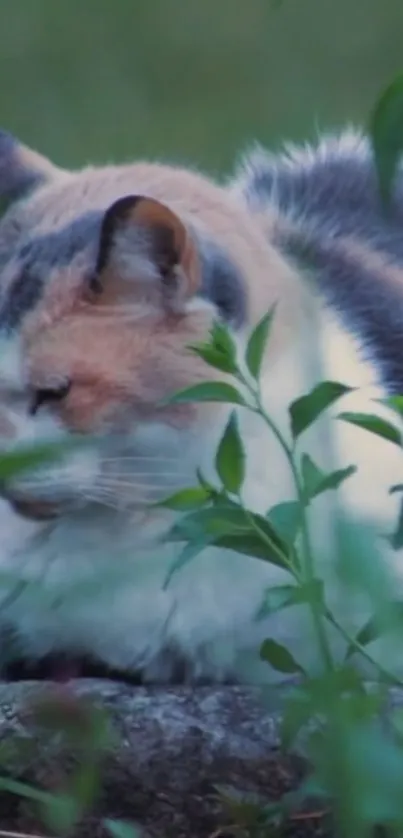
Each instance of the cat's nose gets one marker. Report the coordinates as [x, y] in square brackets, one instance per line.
[37, 510]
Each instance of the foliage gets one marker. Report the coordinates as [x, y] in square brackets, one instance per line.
[386, 132]
[356, 763]
[80, 727]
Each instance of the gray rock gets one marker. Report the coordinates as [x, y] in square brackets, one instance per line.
[173, 746]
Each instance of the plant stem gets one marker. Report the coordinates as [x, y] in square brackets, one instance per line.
[308, 564]
[270, 544]
[388, 676]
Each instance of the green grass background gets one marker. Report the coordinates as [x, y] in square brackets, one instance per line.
[189, 80]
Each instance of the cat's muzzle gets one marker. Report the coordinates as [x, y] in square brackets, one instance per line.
[37, 510]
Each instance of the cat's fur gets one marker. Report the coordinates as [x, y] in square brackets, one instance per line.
[107, 296]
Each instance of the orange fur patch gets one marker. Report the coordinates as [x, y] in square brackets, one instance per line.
[121, 366]
[119, 370]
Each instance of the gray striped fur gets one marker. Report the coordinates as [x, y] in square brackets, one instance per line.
[327, 204]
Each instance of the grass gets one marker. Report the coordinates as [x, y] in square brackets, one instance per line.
[189, 81]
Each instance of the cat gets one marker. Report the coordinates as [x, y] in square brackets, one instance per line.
[107, 275]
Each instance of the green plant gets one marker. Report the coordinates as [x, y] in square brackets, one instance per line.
[79, 726]
[357, 765]
[356, 761]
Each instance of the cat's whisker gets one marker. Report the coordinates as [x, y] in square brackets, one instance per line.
[144, 479]
[108, 485]
[109, 500]
[139, 487]
[141, 458]
[149, 474]
[136, 477]
[134, 474]
[111, 487]
[125, 312]
[102, 501]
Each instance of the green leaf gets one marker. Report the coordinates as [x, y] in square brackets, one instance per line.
[374, 424]
[386, 134]
[27, 457]
[61, 813]
[86, 784]
[121, 829]
[396, 718]
[335, 479]
[279, 657]
[231, 528]
[284, 596]
[209, 521]
[286, 520]
[250, 544]
[396, 540]
[394, 403]
[214, 357]
[208, 487]
[189, 552]
[263, 527]
[297, 713]
[257, 343]
[373, 628]
[305, 410]
[191, 498]
[368, 633]
[359, 559]
[208, 391]
[230, 457]
[222, 340]
[222, 347]
[315, 481]
[24, 790]
[312, 592]
[398, 487]
[364, 776]
[83, 723]
[276, 598]
[312, 477]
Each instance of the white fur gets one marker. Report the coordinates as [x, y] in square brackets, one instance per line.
[208, 610]
[126, 618]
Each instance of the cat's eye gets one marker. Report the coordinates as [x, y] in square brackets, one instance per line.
[48, 395]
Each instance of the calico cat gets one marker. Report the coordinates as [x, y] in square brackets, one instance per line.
[107, 275]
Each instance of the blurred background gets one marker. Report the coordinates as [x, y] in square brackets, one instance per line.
[189, 80]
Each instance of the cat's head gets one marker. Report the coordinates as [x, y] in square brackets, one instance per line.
[102, 290]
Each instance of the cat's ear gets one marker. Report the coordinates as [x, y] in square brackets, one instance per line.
[21, 168]
[145, 245]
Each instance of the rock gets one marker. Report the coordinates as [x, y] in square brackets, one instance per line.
[173, 746]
